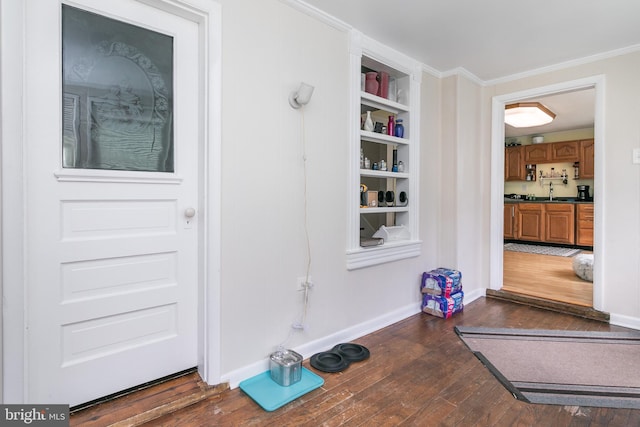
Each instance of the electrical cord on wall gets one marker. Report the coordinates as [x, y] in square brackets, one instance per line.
[302, 323]
[307, 283]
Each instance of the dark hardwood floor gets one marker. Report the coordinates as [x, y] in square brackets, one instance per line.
[419, 374]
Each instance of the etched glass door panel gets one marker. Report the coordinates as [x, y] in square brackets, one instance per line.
[117, 94]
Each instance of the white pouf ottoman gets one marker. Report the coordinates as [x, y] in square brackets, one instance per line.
[583, 266]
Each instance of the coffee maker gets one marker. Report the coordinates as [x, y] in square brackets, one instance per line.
[583, 192]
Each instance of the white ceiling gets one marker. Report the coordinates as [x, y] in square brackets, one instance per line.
[493, 39]
[496, 39]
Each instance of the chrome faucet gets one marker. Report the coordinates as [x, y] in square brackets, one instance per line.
[550, 191]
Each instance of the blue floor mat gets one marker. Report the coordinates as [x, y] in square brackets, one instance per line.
[271, 395]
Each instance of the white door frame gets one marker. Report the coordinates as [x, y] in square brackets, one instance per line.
[14, 307]
[497, 177]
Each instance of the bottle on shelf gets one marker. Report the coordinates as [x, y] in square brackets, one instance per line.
[531, 172]
[399, 129]
[394, 166]
[390, 126]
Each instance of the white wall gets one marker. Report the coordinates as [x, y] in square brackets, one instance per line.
[268, 48]
[464, 177]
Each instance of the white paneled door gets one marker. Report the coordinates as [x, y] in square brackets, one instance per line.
[113, 181]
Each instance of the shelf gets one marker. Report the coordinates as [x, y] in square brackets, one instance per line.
[389, 209]
[387, 252]
[564, 181]
[379, 103]
[381, 138]
[383, 174]
[366, 55]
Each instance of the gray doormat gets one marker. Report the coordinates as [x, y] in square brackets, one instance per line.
[541, 250]
[575, 368]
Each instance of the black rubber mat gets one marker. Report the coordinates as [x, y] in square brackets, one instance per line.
[339, 358]
[352, 352]
[329, 361]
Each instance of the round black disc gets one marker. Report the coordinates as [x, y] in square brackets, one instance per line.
[352, 352]
[329, 361]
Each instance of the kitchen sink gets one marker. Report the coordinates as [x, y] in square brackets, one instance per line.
[543, 200]
[561, 199]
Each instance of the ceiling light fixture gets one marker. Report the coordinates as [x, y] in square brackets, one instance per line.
[527, 114]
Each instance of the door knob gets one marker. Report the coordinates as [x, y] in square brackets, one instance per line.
[189, 212]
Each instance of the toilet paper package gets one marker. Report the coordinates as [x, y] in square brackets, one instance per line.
[441, 281]
[444, 307]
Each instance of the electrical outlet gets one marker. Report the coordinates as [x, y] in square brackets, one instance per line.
[300, 283]
[636, 156]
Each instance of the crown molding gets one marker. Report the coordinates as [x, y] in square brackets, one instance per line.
[322, 16]
[334, 22]
[564, 65]
[463, 72]
[431, 71]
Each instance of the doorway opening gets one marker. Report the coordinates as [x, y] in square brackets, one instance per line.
[544, 211]
[545, 277]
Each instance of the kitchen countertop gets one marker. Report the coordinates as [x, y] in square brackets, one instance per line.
[546, 200]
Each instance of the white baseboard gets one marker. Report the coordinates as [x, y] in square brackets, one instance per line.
[624, 321]
[469, 297]
[326, 343]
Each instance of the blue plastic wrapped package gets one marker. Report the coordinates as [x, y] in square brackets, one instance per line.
[441, 282]
[444, 307]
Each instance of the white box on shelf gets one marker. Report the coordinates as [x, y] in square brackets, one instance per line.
[393, 233]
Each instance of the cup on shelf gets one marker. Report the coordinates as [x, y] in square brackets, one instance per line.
[371, 83]
[383, 87]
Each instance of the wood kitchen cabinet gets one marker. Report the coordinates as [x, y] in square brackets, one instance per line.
[537, 153]
[514, 164]
[559, 223]
[567, 151]
[585, 157]
[584, 224]
[553, 152]
[515, 158]
[530, 220]
[510, 225]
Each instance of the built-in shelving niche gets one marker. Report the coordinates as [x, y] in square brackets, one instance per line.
[402, 103]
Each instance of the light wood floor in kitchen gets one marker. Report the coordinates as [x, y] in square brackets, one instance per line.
[545, 276]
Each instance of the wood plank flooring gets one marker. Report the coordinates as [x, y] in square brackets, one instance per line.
[545, 276]
[148, 402]
[419, 374]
